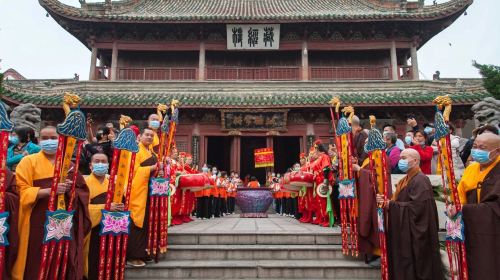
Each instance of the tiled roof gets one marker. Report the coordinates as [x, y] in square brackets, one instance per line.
[146, 94]
[250, 10]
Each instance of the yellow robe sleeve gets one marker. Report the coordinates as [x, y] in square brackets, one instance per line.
[27, 199]
[139, 189]
[467, 180]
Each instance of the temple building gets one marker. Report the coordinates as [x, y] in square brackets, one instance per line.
[251, 74]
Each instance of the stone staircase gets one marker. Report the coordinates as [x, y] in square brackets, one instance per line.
[255, 255]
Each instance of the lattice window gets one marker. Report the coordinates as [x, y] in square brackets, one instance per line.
[182, 143]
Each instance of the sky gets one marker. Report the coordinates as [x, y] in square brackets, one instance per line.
[37, 47]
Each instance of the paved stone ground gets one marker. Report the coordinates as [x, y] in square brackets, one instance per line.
[275, 224]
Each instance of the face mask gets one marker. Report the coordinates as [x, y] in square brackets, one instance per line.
[14, 140]
[408, 140]
[480, 156]
[204, 169]
[49, 146]
[428, 130]
[154, 124]
[100, 169]
[403, 165]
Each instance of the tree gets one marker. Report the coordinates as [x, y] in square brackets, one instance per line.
[491, 78]
[1, 81]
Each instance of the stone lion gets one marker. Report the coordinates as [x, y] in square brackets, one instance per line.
[487, 111]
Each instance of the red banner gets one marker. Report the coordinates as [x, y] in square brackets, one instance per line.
[264, 157]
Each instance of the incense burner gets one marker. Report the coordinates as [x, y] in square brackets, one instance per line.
[254, 202]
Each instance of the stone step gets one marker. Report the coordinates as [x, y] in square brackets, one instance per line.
[251, 238]
[281, 269]
[254, 252]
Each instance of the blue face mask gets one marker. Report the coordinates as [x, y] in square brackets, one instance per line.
[100, 169]
[403, 165]
[480, 156]
[13, 139]
[49, 146]
[154, 124]
[428, 130]
[408, 140]
[204, 169]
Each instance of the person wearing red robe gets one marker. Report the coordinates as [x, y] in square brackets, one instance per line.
[309, 201]
[176, 199]
[190, 198]
[322, 171]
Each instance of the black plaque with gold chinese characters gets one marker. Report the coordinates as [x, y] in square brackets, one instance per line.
[254, 120]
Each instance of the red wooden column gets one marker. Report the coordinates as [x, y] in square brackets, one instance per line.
[414, 61]
[305, 61]
[114, 62]
[93, 62]
[394, 61]
[201, 63]
[235, 154]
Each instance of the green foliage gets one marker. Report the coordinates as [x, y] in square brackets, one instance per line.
[1, 81]
[491, 78]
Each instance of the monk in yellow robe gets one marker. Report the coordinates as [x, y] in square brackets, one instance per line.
[145, 167]
[479, 192]
[97, 183]
[154, 124]
[34, 180]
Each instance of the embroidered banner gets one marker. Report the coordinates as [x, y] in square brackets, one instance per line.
[455, 228]
[4, 229]
[115, 223]
[58, 225]
[346, 189]
[264, 157]
[159, 186]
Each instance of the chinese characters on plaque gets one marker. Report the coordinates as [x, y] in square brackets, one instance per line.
[253, 36]
[254, 120]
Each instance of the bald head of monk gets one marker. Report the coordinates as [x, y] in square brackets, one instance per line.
[486, 148]
[154, 121]
[412, 157]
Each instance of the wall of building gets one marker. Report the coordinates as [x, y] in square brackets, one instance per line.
[152, 59]
[349, 58]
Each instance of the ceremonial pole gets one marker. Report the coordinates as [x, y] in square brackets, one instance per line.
[6, 127]
[72, 133]
[115, 225]
[455, 239]
[376, 147]
[347, 184]
[160, 188]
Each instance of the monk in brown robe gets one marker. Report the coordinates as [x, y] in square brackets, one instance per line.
[11, 206]
[368, 234]
[34, 180]
[145, 167]
[479, 192]
[412, 231]
[97, 183]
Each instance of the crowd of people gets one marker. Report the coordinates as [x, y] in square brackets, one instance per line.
[30, 162]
